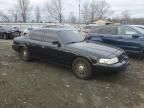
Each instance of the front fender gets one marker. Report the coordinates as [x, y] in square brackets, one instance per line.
[22, 45]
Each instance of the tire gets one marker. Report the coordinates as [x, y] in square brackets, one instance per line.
[16, 34]
[82, 68]
[5, 37]
[24, 54]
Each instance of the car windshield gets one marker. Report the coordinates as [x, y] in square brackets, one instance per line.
[70, 36]
[139, 29]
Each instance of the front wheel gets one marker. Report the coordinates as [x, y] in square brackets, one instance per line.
[24, 54]
[81, 68]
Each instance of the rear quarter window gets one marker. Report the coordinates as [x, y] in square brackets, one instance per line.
[36, 35]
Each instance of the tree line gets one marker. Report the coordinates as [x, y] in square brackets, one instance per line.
[89, 12]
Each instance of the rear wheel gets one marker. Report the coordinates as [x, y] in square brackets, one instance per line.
[24, 54]
[81, 68]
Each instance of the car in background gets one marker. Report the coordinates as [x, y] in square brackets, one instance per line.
[128, 37]
[86, 29]
[68, 47]
[7, 32]
[140, 26]
[66, 26]
[27, 30]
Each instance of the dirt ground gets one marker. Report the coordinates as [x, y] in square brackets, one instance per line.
[37, 84]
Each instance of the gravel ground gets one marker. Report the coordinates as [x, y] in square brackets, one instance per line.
[37, 84]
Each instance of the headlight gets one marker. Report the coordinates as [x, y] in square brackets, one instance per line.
[108, 61]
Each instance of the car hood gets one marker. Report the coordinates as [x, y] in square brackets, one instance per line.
[95, 50]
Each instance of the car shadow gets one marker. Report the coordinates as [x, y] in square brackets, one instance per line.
[101, 76]
[98, 76]
[106, 76]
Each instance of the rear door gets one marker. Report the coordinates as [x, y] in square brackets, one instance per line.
[35, 43]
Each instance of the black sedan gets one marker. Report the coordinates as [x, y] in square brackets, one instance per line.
[9, 32]
[68, 47]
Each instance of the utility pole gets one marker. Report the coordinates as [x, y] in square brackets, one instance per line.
[79, 9]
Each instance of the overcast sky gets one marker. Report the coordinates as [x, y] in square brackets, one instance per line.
[136, 7]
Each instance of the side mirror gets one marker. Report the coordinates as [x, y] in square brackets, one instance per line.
[56, 43]
[136, 36]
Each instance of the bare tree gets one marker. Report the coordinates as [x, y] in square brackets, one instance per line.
[72, 18]
[55, 9]
[24, 8]
[85, 11]
[38, 14]
[125, 16]
[103, 9]
[14, 14]
[92, 10]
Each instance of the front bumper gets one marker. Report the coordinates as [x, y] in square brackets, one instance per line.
[15, 47]
[121, 66]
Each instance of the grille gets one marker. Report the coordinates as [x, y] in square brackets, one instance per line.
[122, 57]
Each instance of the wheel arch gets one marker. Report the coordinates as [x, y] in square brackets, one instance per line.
[22, 46]
[87, 58]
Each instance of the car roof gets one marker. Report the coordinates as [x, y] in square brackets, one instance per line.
[137, 25]
[114, 26]
[54, 29]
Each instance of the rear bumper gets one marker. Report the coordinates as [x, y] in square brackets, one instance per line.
[118, 67]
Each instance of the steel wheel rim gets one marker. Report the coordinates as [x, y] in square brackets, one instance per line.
[81, 69]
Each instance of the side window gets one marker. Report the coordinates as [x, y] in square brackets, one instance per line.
[109, 30]
[36, 35]
[106, 30]
[97, 30]
[43, 35]
[126, 31]
[50, 36]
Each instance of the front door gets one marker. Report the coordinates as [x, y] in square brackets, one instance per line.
[129, 42]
